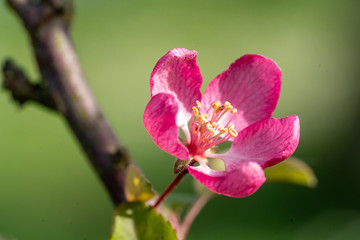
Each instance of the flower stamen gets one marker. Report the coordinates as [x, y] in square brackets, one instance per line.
[233, 132]
[198, 105]
[205, 132]
[195, 111]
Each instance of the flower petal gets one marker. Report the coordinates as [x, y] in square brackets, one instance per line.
[177, 73]
[159, 121]
[251, 84]
[267, 142]
[240, 182]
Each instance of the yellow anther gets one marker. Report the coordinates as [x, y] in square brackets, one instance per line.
[196, 111]
[230, 126]
[223, 130]
[205, 115]
[233, 132]
[198, 104]
[210, 128]
[208, 125]
[201, 118]
[215, 105]
[234, 110]
[227, 106]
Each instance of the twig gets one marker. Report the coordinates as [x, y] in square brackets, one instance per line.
[22, 89]
[174, 183]
[47, 23]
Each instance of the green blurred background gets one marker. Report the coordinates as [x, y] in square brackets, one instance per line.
[49, 191]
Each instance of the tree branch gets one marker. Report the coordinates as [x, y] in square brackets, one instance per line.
[47, 23]
[22, 89]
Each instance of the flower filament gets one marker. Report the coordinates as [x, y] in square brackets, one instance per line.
[206, 131]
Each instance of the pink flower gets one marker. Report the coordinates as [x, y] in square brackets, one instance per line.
[236, 106]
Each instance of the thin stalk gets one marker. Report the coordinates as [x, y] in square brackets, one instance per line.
[192, 214]
[173, 184]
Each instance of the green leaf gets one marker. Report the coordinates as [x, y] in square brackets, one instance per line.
[138, 188]
[293, 170]
[136, 221]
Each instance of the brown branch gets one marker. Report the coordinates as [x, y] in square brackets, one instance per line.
[21, 88]
[47, 23]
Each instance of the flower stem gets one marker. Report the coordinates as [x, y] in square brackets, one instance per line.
[192, 214]
[174, 183]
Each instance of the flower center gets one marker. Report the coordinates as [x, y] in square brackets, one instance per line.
[206, 131]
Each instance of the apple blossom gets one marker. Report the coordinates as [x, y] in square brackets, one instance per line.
[236, 106]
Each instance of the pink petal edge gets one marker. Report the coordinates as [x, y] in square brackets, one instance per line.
[251, 84]
[178, 74]
[266, 142]
[240, 182]
[159, 121]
